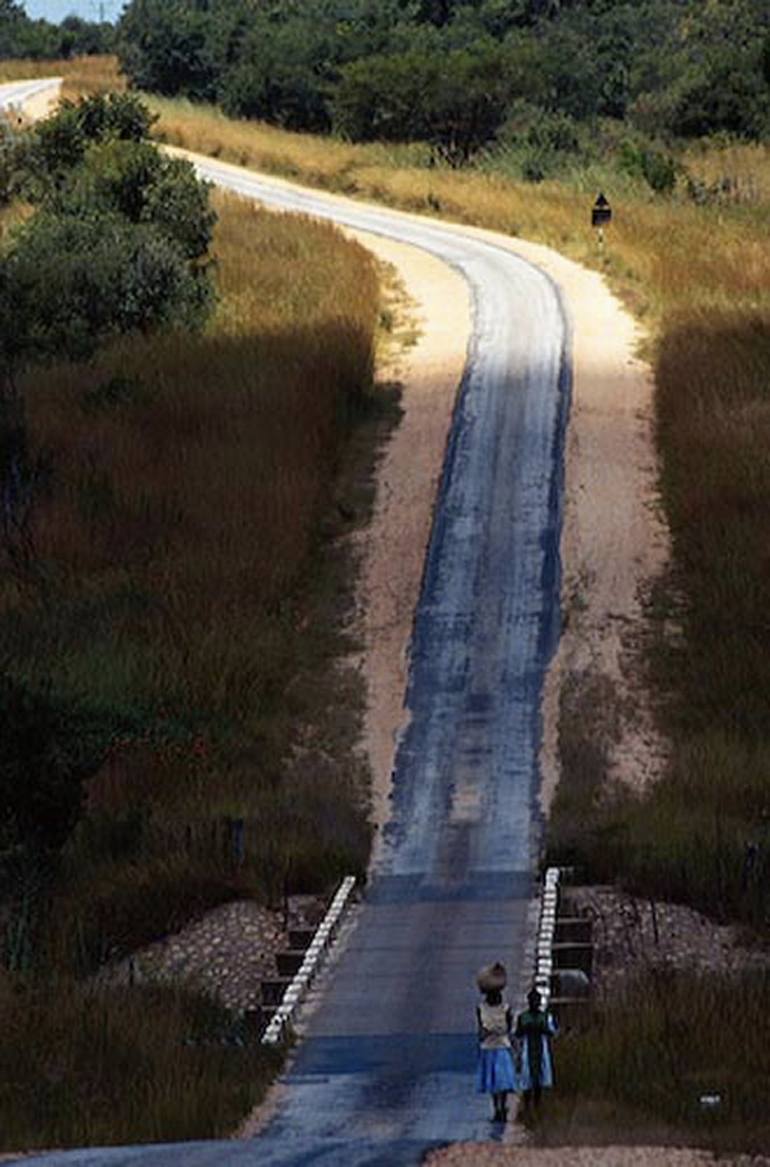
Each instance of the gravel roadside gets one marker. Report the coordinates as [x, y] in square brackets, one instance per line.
[487, 1155]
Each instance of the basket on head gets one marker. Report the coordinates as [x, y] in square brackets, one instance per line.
[492, 977]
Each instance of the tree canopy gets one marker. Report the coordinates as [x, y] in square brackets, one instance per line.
[118, 243]
[22, 37]
[419, 69]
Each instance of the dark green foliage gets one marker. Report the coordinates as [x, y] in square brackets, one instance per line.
[656, 167]
[47, 750]
[135, 181]
[59, 144]
[22, 37]
[455, 103]
[72, 282]
[537, 144]
[173, 46]
[281, 80]
[83, 38]
[118, 244]
[388, 69]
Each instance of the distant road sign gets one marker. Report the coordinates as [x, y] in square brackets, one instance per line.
[601, 212]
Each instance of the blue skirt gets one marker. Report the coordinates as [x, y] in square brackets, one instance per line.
[495, 1073]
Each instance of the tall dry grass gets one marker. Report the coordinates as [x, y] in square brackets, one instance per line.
[176, 573]
[652, 1054]
[696, 267]
[117, 1066]
[664, 252]
[188, 583]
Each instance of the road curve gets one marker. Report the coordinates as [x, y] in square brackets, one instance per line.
[14, 95]
[385, 1071]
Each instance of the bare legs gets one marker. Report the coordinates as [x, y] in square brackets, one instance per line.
[501, 1106]
[532, 1099]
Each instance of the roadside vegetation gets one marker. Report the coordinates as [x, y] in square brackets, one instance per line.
[531, 78]
[174, 584]
[81, 1068]
[675, 1058]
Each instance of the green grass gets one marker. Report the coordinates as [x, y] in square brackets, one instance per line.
[637, 1076]
[120, 1065]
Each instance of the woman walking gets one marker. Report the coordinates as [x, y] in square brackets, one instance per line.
[494, 1018]
[534, 1028]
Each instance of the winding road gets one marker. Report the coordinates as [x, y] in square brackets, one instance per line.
[385, 1071]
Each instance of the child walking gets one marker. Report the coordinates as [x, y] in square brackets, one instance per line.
[534, 1028]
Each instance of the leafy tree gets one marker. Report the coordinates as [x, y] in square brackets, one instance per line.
[12, 19]
[82, 38]
[178, 46]
[134, 180]
[69, 283]
[48, 748]
[456, 102]
[678, 66]
[58, 144]
[22, 37]
[284, 75]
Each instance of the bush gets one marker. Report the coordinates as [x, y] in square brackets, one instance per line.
[59, 143]
[119, 242]
[659, 170]
[71, 283]
[134, 180]
[48, 748]
[449, 102]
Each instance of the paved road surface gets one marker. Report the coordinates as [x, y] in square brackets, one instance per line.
[386, 1069]
[13, 94]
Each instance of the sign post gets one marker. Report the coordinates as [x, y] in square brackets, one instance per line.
[601, 216]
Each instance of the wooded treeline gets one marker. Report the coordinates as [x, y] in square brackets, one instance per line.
[40, 39]
[456, 73]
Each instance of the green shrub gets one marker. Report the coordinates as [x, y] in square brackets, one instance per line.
[666, 1040]
[103, 1066]
[47, 751]
[659, 170]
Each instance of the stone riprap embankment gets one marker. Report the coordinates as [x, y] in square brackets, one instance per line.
[228, 953]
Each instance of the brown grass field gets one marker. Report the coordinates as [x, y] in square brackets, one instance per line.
[182, 586]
